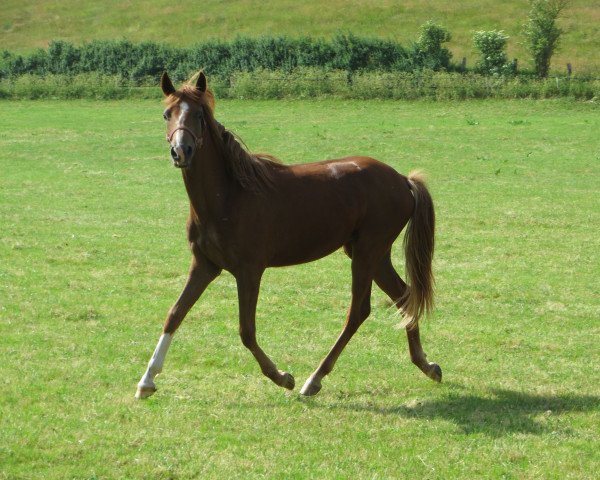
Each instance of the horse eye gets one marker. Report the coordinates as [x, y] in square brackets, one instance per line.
[166, 115]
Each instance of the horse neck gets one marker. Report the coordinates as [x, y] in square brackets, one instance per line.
[206, 181]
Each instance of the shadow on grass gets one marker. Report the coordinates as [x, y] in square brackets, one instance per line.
[496, 413]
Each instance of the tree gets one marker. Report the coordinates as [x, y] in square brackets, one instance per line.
[542, 33]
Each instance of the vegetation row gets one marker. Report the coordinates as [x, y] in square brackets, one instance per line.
[222, 59]
[306, 82]
[275, 67]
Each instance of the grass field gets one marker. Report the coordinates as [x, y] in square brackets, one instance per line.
[93, 253]
[28, 24]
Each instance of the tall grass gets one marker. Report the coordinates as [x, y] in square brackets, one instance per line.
[312, 83]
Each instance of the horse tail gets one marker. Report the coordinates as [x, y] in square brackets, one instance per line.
[418, 252]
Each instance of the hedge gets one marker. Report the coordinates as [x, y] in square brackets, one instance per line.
[135, 61]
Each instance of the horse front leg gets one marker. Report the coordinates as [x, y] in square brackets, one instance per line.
[248, 284]
[202, 272]
[360, 308]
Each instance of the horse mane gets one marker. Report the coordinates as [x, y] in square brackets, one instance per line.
[251, 171]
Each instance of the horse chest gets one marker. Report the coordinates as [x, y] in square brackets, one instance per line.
[210, 241]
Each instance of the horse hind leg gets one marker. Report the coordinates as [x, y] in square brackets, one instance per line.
[388, 280]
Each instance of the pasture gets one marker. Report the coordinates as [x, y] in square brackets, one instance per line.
[93, 253]
[29, 24]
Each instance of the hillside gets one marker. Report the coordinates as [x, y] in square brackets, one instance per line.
[28, 24]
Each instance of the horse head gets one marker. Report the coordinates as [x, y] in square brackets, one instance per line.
[185, 118]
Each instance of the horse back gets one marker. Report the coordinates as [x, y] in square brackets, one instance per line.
[319, 207]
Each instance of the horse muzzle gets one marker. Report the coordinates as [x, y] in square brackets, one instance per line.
[182, 154]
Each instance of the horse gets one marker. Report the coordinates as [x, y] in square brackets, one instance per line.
[248, 212]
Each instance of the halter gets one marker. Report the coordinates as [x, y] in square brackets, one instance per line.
[197, 140]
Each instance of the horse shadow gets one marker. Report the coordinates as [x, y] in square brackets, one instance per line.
[496, 413]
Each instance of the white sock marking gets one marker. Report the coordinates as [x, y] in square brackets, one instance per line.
[307, 384]
[155, 364]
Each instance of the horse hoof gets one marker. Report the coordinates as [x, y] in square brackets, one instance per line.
[287, 381]
[144, 392]
[435, 372]
[310, 388]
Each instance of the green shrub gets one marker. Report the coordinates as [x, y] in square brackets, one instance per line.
[427, 52]
[491, 45]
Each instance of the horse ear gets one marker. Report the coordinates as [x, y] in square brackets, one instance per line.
[167, 85]
[201, 82]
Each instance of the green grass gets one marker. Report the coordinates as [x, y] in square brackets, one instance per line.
[28, 24]
[93, 253]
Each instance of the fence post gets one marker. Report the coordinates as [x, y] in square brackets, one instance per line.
[569, 70]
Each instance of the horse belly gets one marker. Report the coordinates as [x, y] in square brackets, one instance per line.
[306, 253]
[313, 234]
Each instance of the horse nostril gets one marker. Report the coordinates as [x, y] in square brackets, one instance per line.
[174, 155]
[188, 151]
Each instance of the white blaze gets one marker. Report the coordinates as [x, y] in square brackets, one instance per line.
[184, 109]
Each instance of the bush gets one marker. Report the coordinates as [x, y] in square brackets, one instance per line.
[492, 45]
[427, 52]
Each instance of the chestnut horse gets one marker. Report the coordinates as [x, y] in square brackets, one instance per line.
[249, 212]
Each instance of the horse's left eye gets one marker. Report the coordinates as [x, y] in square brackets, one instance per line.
[166, 115]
